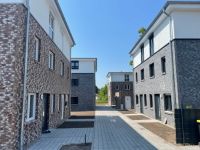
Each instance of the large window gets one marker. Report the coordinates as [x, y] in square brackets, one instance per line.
[75, 82]
[163, 65]
[151, 70]
[74, 100]
[51, 26]
[151, 100]
[53, 103]
[142, 74]
[151, 44]
[51, 60]
[31, 107]
[142, 53]
[126, 78]
[75, 64]
[37, 49]
[61, 68]
[168, 102]
[145, 100]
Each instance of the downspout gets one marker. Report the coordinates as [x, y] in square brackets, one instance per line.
[175, 94]
[70, 87]
[25, 75]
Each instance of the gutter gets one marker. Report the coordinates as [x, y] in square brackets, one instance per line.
[25, 75]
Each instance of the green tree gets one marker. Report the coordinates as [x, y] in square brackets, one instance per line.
[103, 94]
[131, 63]
[142, 31]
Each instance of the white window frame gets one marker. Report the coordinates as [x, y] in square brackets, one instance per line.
[53, 101]
[37, 49]
[51, 60]
[34, 107]
[51, 26]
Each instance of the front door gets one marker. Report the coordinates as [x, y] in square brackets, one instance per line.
[62, 106]
[157, 107]
[45, 112]
[127, 102]
[141, 104]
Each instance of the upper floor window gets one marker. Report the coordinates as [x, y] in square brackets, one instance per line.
[136, 77]
[151, 70]
[75, 64]
[117, 87]
[75, 82]
[74, 100]
[142, 53]
[31, 106]
[61, 68]
[37, 49]
[137, 99]
[151, 44]
[51, 60]
[151, 100]
[142, 74]
[163, 65]
[51, 26]
[127, 87]
[126, 78]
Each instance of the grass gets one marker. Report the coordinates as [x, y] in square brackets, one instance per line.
[101, 102]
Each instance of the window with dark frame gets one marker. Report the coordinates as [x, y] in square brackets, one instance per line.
[75, 64]
[151, 44]
[127, 87]
[136, 77]
[167, 102]
[137, 99]
[142, 74]
[126, 76]
[37, 49]
[75, 82]
[151, 100]
[142, 52]
[163, 65]
[117, 87]
[151, 70]
[74, 100]
[145, 100]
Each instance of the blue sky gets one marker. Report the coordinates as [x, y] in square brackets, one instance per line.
[108, 29]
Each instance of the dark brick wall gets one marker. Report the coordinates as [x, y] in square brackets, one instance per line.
[40, 78]
[122, 93]
[187, 54]
[12, 18]
[85, 91]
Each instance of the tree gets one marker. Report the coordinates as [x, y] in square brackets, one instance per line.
[103, 94]
[97, 90]
[142, 31]
[131, 63]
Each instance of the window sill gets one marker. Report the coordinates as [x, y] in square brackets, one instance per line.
[142, 80]
[152, 77]
[169, 112]
[151, 108]
[145, 107]
[163, 73]
[29, 121]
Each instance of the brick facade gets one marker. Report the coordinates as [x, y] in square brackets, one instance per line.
[85, 91]
[40, 78]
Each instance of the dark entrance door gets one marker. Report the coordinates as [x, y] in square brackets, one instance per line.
[45, 113]
[157, 107]
[141, 104]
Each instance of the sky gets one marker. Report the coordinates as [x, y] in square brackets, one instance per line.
[107, 30]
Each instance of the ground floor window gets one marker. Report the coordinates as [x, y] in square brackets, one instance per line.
[31, 107]
[167, 102]
[74, 100]
[145, 100]
[151, 100]
[53, 103]
[137, 99]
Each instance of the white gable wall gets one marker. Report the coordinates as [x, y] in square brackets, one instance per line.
[119, 77]
[85, 66]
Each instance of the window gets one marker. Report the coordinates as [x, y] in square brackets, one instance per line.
[136, 99]
[31, 107]
[151, 45]
[37, 49]
[142, 74]
[75, 82]
[163, 65]
[61, 68]
[145, 100]
[68, 73]
[168, 102]
[117, 87]
[127, 87]
[51, 60]
[51, 26]
[59, 102]
[142, 53]
[53, 103]
[74, 100]
[151, 70]
[75, 64]
[136, 77]
[151, 100]
[126, 78]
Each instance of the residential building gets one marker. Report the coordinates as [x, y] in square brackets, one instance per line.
[120, 89]
[35, 48]
[166, 63]
[83, 84]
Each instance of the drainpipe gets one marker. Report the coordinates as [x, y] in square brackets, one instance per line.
[175, 92]
[70, 77]
[25, 75]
